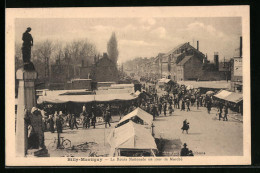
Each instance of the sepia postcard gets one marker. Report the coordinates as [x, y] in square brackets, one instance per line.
[128, 86]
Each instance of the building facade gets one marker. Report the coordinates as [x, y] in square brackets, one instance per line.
[103, 70]
[190, 68]
[237, 74]
[184, 62]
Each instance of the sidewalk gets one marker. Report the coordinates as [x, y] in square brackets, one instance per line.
[236, 116]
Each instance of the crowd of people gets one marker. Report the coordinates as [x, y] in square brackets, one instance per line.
[156, 104]
[150, 101]
[89, 116]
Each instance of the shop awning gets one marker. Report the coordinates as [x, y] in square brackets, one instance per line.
[229, 96]
[235, 97]
[206, 84]
[85, 98]
[222, 94]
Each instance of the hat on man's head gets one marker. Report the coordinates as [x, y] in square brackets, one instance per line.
[33, 110]
[185, 145]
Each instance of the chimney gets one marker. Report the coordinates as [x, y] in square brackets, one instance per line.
[198, 45]
[216, 60]
[240, 52]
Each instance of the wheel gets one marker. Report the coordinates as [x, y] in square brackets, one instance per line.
[52, 146]
[66, 143]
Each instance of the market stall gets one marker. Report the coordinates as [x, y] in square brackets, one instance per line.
[131, 140]
[138, 116]
[86, 98]
[235, 100]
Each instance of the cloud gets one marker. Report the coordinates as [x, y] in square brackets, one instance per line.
[160, 32]
[147, 21]
[102, 28]
[128, 28]
[135, 43]
[206, 29]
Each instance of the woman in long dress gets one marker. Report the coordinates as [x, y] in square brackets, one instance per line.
[185, 126]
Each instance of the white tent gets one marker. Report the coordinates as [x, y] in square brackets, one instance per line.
[131, 136]
[138, 112]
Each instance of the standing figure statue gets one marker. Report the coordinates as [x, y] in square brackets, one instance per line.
[27, 44]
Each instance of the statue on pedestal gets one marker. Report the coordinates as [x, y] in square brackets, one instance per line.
[26, 49]
[29, 127]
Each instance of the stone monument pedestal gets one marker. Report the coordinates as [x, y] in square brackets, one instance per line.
[26, 100]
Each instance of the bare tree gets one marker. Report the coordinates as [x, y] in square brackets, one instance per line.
[41, 55]
[18, 56]
[58, 52]
[80, 50]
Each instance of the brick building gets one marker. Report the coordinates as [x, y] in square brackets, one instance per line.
[184, 62]
[189, 68]
[103, 70]
[237, 74]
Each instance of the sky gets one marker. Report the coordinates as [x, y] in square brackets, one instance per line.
[141, 37]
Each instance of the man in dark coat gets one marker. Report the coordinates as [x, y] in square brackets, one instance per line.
[198, 103]
[160, 108]
[148, 109]
[93, 116]
[27, 43]
[107, 116]
[200, 100]
[59, 122]
[225, 113]
[73, 122]
[69, 119]
[84, 114]
[164, 108]
[88, 117]
[51, 123]
[178, 102]
[175, 101]
[209, 106]
[170, 101]
[188, 104]
[182, 105]
[184, 150]
[154, 111]
[220, 111]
